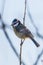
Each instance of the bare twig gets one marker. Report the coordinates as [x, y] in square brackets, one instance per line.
[6, 34]
[11, 44]
[38, 58]
[38, 34]
[21, 51]
[24, 13]
[21, 39]
[3, 6]
[32, 21]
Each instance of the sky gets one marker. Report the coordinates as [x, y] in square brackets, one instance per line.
[15, 9]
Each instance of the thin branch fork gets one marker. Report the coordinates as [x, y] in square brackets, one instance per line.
[21, 51]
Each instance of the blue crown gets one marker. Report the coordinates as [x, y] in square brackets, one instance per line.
[14, 21]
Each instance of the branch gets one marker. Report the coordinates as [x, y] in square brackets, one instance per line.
[6, 34]
[38, 58]
[21, 39]
[21, 51]
[32, 21]
[24, 12]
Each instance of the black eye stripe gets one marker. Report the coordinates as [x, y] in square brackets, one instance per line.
[15, 22]
[15, 25]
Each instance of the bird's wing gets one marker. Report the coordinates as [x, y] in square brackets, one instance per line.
[25, 31]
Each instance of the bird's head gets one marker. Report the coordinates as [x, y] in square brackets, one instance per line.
[15, 22]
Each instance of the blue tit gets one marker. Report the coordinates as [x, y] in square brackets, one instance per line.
[22, 32]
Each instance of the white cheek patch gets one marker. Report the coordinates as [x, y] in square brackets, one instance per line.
[16, 24]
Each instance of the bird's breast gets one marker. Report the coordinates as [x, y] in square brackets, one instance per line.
[20, 35]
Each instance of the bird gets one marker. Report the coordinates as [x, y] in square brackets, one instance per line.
[22, 31]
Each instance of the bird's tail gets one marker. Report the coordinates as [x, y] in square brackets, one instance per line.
[37, 44]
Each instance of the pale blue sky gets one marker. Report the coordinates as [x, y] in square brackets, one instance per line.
[15, 9]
